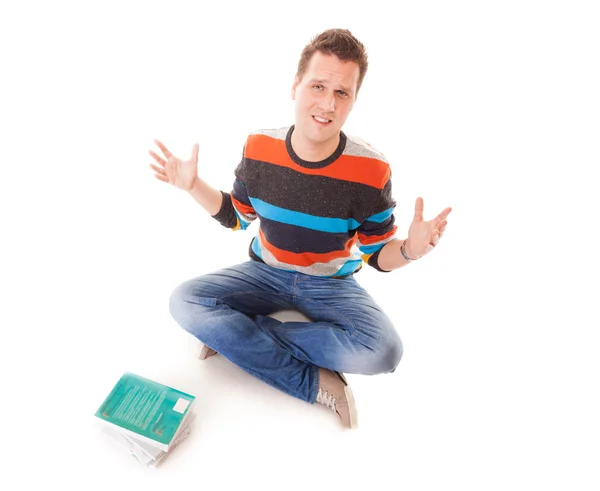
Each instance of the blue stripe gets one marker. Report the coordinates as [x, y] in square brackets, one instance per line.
[243, 223]
[256, 247]
[348, 267]
[371, 249]
[277, 214]
[381, 217]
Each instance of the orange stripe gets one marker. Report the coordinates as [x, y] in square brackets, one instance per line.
[364, 170]
[371, 239]
[245, 209]
[305, 258]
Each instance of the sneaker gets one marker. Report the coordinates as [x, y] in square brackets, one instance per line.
[335, 393]
[205, 352]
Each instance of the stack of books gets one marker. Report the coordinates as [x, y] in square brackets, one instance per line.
[146, 418]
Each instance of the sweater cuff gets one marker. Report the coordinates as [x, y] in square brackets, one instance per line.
[374, 261]
[226, 215]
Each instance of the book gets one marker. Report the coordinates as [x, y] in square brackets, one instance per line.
[146, 454]
[145, 417]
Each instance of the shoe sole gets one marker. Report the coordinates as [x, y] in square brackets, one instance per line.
[351, 403]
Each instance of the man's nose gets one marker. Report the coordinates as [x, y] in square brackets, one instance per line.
[327, 103]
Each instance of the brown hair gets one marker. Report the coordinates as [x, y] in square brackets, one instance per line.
[337, 42]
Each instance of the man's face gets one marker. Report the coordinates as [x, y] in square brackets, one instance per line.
[324, 98]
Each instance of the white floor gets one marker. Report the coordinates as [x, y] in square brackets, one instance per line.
[472, 405]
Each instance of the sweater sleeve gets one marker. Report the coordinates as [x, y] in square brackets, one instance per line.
[379, 228]
[236, 210]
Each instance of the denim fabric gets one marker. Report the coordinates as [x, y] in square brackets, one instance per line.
[228, 311]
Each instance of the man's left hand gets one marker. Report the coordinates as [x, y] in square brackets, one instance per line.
[423, 236]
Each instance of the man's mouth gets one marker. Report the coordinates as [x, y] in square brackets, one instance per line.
[321, 120]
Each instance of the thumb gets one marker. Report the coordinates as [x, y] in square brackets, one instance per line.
[418, 209]
[195, 153]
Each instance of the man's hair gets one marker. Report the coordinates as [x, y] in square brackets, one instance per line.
[337, 42]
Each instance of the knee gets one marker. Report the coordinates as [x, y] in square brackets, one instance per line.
[393, 356]
[187, 305]
[177, 305]
[388, 357]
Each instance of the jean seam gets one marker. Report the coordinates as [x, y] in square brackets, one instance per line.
[303, 329]
[352, 325]
[294, 288]
[316, 388]
[251, 292]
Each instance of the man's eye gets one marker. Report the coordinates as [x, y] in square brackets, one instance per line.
[342, 93]
[318, 87]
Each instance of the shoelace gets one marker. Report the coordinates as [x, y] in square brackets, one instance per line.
[326, 399]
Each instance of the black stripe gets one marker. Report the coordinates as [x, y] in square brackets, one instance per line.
[299, 239]
[374, 228]
[311, 194]
[240, 193]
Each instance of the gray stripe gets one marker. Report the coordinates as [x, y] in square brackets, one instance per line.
[276, 133]
[317, 269]
[359, 148]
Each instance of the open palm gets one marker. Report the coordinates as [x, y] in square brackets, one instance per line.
[180, 173]
[424, 235]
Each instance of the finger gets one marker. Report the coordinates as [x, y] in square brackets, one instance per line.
[418, 209]
[195, 153]
[434, 238]
[442, 215]
[442, 226]
[161, 178]
[164, 149]
[156, 157]
[158, 170]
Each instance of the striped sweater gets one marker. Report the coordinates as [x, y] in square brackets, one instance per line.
[318, 218]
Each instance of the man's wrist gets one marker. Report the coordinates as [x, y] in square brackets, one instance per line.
[195, 185]
[405, 255]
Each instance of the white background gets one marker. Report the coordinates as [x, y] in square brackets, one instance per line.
[489, 107]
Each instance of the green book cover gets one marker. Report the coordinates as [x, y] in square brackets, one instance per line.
[146, 409]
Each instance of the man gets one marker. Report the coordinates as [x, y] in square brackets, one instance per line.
[325, 207]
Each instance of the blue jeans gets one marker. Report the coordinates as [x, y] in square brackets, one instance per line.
[227, 310]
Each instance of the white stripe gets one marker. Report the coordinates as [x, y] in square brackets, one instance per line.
[243, 216]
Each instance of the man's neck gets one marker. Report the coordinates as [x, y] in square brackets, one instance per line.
[310, 152]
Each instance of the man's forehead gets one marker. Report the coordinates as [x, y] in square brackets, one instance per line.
[328, 68]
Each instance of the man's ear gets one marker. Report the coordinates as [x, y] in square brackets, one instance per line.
[294, 85]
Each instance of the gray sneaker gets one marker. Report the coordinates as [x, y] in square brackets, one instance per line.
[205, 352]
[335, 393]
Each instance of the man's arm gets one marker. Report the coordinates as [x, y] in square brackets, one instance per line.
[208, 197]
[391, 257]
[232, 210]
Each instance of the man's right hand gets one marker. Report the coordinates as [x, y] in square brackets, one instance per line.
[180, 173]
